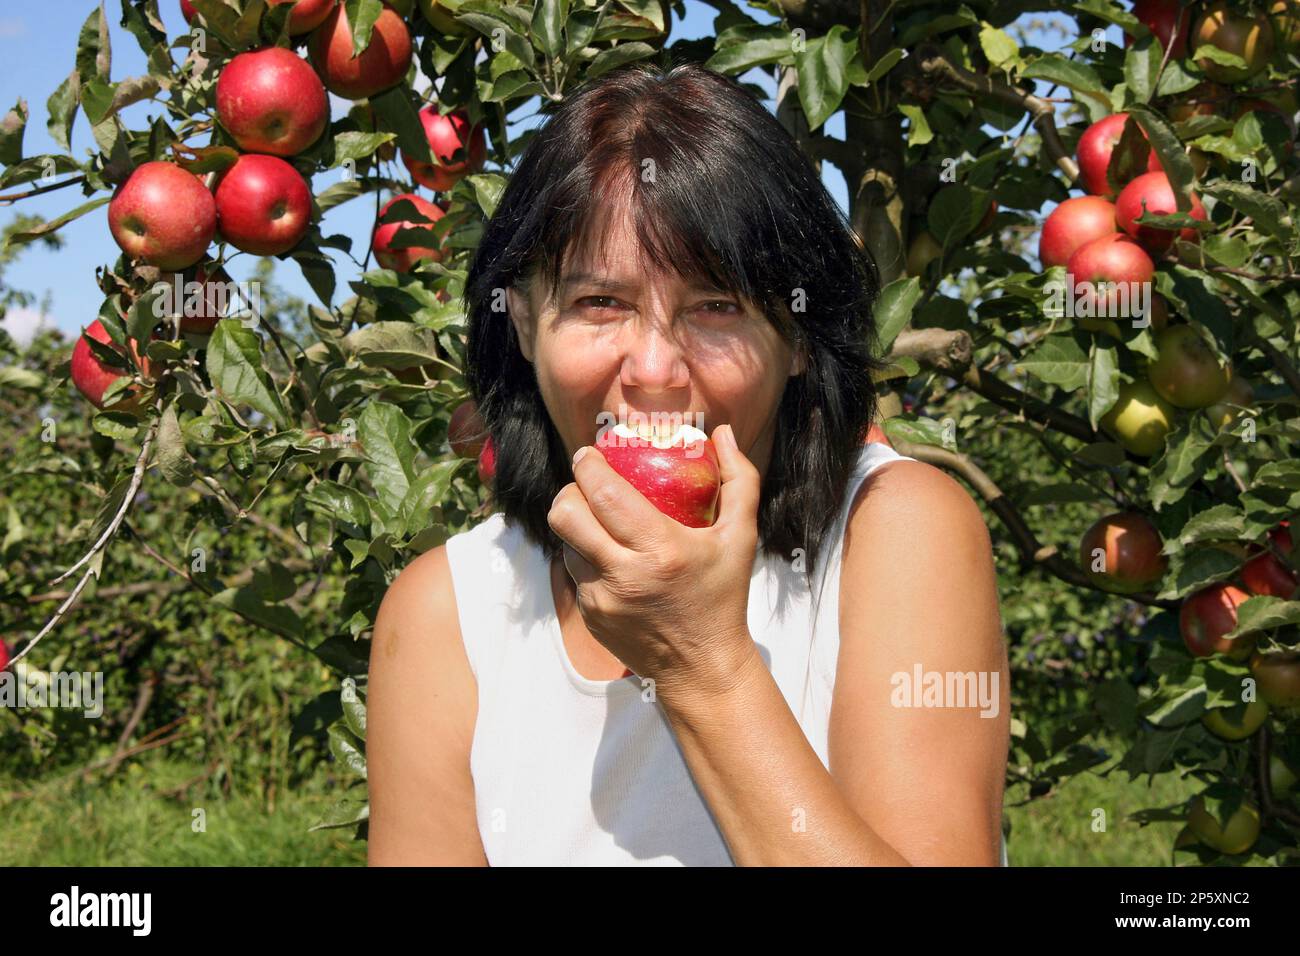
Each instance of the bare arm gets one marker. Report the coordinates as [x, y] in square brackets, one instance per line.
[906, 785]
[421, 706]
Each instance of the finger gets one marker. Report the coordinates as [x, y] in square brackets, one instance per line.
[580, 569]
[570, 517]
[738, 499]
[626, 514]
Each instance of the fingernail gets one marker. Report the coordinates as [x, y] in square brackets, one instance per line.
[577, 455]
[731, 437]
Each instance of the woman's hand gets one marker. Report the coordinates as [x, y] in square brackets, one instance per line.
[669, 601]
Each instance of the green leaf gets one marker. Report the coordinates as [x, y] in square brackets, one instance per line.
[1058, 360]
[918, 132]
[394, 344]
[824, 73]
[345, 813]
[423, 498]
[62, 109]
[250, 604]
[488, 188]
[1266, 211]
[1002, 51]
[1103, 381]
[1170, 150]
[548, 25]
[362, 15]
[385, 435]
[338, 501]
[620, 55]
[354, 708]
[744, 46]
[1264, 613]
[11, 134]
[173, 460]
[234, 364]
[1072, 74]
[1141, 64]
[395, 111]
[353, 146]
[894, 309]
[94, 53]
[45, 228]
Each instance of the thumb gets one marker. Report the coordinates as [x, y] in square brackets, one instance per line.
[738, 498]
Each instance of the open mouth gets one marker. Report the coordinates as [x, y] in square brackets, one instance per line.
[656, 434]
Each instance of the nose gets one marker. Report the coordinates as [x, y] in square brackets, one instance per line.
[652, 358]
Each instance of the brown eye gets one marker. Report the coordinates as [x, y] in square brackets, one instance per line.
[598, 302]
[721, 307]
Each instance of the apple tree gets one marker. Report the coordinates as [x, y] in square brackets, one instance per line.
[1085, 225]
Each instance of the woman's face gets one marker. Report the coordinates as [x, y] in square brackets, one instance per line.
[615, 335]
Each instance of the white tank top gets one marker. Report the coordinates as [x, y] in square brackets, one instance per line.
[575, 772]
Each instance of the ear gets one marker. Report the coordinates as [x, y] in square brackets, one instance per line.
[521, 314]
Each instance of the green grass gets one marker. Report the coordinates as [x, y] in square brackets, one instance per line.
[128, 821]
[1058, 829]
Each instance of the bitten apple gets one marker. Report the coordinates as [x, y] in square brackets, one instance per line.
[163, 215]
[677, 472]
[382, 64]
[263, 205]
[447, 134]
[406, 258]
[92, 377]
[272, 101]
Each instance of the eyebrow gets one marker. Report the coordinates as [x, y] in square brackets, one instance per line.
[601, 281]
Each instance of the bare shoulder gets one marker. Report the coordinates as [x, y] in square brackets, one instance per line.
[421, 708]
[907, 497]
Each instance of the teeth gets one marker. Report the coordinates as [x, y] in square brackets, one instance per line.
[662, 435]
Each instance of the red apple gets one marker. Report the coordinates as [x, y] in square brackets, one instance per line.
[4, 655]
[1072, 224]
[92, 377]
[1186, 372]
[382, 64]
[1153, 193]
[487, 462]
[1204, 99]
[162, 215]
[272, 101]
[263, 205]
[404, 259]
[1267, 575]
[677, 472]
[1277, 675]
[307, 15]
[1249, 37]
[1094, 150]
[446, 135]
[1099, 269]
[1207, 615]
[188, 11]
[1120, 553]
[1162, 18]
[205, 296]
[466, 432]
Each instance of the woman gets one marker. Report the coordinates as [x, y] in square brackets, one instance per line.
[583, 680]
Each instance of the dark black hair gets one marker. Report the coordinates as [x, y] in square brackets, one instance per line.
[734, 202]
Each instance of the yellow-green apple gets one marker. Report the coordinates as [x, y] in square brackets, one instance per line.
[1249, 37]
[1281, 777]
[923, 250]
[1120, 553]
[1186, 371]
[1265, 574]
[162, 215]
[92, 377]
[406, 258]
[263, 205]
[1073, 223]
[466, 432]
[1237, 722]
[1151, 192]
[1240, 392]
[306, 15]
[1168, 20]
[1285, 15]
[381, 65]
[439, 15]
[1238, 836]
[1140, 419]
[1095, 147]
[1209, 614]
[448, 135]
[1277, 675]
[676, 469]
[272, 101]
[1111, 274]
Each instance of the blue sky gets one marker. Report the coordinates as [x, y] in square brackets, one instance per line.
[38, 46]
